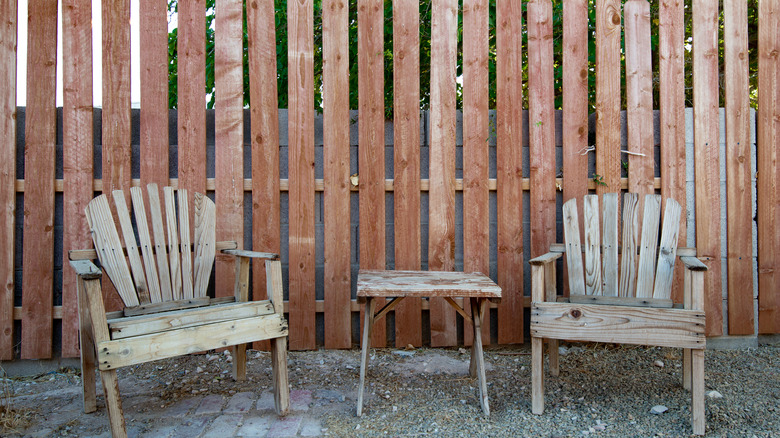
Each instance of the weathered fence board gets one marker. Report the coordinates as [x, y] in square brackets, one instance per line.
[77, 140]
[406, 157]
[300, 61]
[441, 194]
[39, 164]
[8, 30]
[228, 136]
[476, 131]
[608, 30]
[738, 171]
[706, 140]
[153, 39]
[335, 48]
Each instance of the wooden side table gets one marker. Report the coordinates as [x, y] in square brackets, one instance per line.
[398, 285]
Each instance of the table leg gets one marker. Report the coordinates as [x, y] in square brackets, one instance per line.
[477, 312]
[368, 323]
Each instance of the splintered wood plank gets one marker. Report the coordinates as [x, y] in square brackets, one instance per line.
[126, 225]
[153, 39]
[476, 211]
[117, 132]
[77, 139]
[145, 241]
[541, 123]
[406, 157]
[509, 169]
[39, 160]
[441, 194]
[186, 254]
[173, 242]
[738, 171]
[300, 61]
[204, 211]
[671, 33]
[379, 283]
[191, 118]
[571, 235]
[371, 149]
[609, 272]
[667, 251]
[629, 243]
[592, 246]
[160, 249]
[264, 113]
[228, 137]
[608, 30]
[706, 140]
[335, 99]
[766, 161]
[647, 246]
[8, 27]
[639, 97]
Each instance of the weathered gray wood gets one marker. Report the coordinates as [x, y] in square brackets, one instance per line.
[425, 284]
[664, 275]
[205, 242]
[165, 306]
[571, 234]
[693, 263]
[147, 250]
[592, 246]
[86, 269]
[609, 271]
[648, 245]
[90, 254]
[251, 254]
[619, 301]
[173, 242]
[160, 249]
[186, 252]
[136, 267]
[629, 245]
[682, 251]
[368, 323]
[545, 258]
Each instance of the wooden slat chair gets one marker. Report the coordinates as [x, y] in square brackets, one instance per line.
[168, 312]
[630, 305]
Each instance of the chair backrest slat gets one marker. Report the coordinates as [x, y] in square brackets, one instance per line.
[159, 242]
[571, 234]
[136, 267]
[609, 272]
[205, 242]
[109, 248]
[668, 250]
[629, 243]
[147, 251]
[186, 254]
[648, 246]
[173, 242]
[592, 246]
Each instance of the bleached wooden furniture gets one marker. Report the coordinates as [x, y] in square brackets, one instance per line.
[164, 289]
[630, 305]
[398, 285]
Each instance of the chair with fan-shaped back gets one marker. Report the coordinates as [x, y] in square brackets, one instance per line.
[161, 269]
[616, 296]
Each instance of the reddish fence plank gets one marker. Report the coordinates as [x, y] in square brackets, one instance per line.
[738, 177]
[509, 169]
[541, 135]
[39, 160]
[192, 95]
[335, 48]
[706, 145]
[8, 31]
[228, 136]
[406, 150]
[371, 132]
[441, 195]
[671, 33]
[77, 154]
[608, 95]
[154, 92]
[639, 99]
[766, 160]
[300, 61]
[476, 212]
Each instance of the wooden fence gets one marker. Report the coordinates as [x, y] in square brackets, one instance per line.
[27, 310]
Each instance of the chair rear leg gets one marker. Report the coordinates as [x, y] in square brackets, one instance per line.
[279, 369]
[114, 405]
[88, 356]
[239, 362]
[537, 375]
[697, 391]
[552, 354]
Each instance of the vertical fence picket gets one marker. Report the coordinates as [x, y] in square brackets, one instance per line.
[228, 136]
[441, 194]
[77, 140]
[406, 150]
[8, 29]
[509, 169]
[335, 98]
[153, 39]
[476, 193]
[766, 160]
[39, 155]
[300, 65]
[608, 30]
[706, 147]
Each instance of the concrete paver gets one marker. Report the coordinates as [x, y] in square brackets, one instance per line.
[285, 427]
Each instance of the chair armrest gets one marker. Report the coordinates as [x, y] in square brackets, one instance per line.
[693, 263]
[86, 269]
[251, 254]
[546, 258]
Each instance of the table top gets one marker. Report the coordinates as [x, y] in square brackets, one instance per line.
[372, 283]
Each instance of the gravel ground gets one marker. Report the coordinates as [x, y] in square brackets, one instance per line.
[603, 390]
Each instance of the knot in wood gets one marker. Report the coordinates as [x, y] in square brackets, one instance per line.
[575, 313]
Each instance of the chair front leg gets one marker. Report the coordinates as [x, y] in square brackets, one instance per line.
[241, 291]
[87, 345]
[537, 346]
